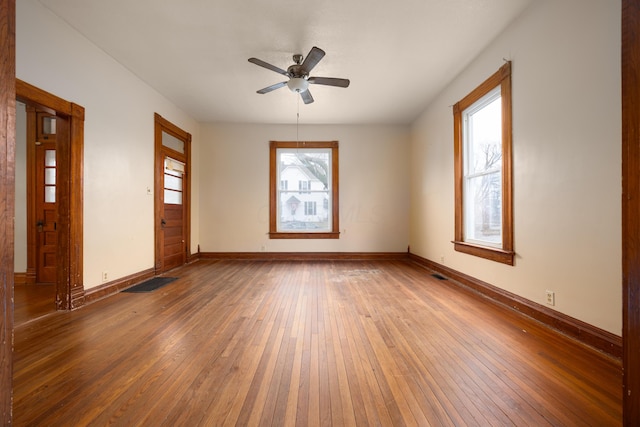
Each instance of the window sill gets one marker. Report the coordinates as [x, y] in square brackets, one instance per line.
[327, 235]
[493, 254]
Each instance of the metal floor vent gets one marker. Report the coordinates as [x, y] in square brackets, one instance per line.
[438, 276]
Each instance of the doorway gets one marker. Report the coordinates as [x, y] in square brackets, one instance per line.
[35, 224]
[55, 140]
[172, 196]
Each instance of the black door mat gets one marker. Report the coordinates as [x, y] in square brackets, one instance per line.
[150, 285]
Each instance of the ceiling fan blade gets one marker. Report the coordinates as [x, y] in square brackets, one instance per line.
[329, 81]
[268, 66]
[306, 97]
[272, 87]
[312, 59]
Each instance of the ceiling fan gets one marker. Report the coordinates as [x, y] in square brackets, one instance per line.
[298, 73]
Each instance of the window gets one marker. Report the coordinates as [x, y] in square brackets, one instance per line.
[482, 155]
[304, 186]
[173, 177]
[309, 208]
[314, 165]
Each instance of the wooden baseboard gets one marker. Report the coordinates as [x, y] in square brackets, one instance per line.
[588, 334]
[25, 278]
[115, 286]
[304, 256]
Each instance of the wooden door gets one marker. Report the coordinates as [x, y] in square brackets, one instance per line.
[45, 199]
[172, 222]
[172, 199]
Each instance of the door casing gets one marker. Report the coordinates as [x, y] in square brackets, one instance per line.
[163, 125]
[69, 196]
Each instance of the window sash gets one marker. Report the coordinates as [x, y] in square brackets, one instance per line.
[323, 225]
[482, 153]
[293, 214]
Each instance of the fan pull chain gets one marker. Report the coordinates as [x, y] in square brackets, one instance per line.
[298, 121]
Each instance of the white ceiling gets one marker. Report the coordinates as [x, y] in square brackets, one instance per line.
[397, 54]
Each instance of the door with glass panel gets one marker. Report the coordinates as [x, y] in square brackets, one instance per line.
[172, 221]
[45, 199]
[172, 196]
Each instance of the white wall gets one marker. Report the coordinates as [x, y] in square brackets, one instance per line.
[567, 161]
[119, 145]
[234, 195]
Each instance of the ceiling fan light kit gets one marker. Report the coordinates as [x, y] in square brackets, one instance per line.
[298, 84]
[298, 74]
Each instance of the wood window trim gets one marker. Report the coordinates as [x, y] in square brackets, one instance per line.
[273, 190]
[505, 254]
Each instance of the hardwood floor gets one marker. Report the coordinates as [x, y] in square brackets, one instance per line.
[32, 302]
[306, 343]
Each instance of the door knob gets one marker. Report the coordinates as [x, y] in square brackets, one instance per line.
[163, 222]
[39, 225]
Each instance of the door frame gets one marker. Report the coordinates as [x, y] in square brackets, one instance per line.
[7, 197]
[163, 125]
[631, 211]
[69, 197]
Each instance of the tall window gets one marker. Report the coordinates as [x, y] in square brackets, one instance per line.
[314, 165]
[482, 155]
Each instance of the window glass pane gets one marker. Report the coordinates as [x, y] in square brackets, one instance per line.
[173, 167]
[50, 176]
[50, 194]
[307, 208]
[172, 197]
[49, 125]
[172, 142]
[50, 158]
[172, 182]
[483, 134]
[483, 210]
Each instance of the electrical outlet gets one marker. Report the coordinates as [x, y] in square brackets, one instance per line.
[105, 276]
[551, 297]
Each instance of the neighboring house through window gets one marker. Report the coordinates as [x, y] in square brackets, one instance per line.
[483, 172]
[314, 166]
[309, 208]
[304, 186]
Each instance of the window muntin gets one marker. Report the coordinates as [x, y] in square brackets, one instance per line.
[482, 152]
[307, 205]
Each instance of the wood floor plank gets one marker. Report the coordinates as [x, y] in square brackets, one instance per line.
[306, 343]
